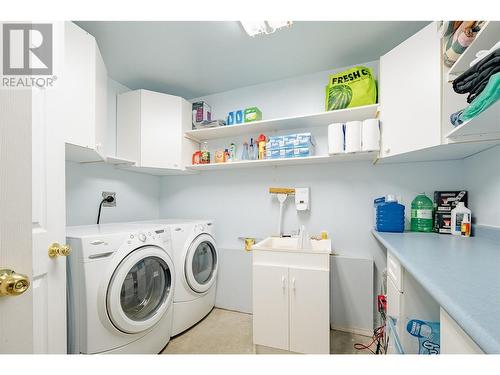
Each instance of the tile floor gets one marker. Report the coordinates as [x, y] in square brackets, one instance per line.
[230, 332]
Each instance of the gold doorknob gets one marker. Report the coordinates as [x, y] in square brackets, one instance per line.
[59, 250]
[12, 284]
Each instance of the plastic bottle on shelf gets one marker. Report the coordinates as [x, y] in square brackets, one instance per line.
[251, 149]
[244, 151]
[457, 216]
[421, 214]
[262, 146]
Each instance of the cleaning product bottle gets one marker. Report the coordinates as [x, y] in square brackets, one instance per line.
[421, 214]
[457, 216]
[389, 214]
[232, 152]
[244, 152]
[465, 227]
[205, 154]
[251, 149]
[262, 146]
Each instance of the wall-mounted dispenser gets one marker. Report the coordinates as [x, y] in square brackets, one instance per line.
[302, 199]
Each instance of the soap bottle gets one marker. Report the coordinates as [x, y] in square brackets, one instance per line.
[421, 214]
[457, 216]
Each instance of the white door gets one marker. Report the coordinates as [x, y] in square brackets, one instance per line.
[309, 311]
[32, 185]
[270, 306]
[410, 94]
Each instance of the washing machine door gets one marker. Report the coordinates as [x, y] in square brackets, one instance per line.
[140, 290]
[201, 263]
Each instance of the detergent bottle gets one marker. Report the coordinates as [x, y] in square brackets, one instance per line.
[421, 214]
[261, 141]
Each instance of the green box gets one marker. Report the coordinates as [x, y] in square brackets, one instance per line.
[252, 114]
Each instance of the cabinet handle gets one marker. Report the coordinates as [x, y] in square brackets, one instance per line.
[283, 284]
[293, 284]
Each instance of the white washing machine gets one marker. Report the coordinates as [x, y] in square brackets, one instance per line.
[196, 262]
[121, 286]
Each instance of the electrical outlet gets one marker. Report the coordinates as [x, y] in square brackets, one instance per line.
[107, 194]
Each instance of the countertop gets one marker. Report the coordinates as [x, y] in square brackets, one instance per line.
[461, 274]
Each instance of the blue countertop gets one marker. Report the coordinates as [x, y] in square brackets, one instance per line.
[462, 274]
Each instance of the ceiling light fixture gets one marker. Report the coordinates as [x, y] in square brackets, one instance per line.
[253, 28]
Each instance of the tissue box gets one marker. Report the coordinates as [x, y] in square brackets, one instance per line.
[289, 140]
[252, 114]
[275, 142]
[303, 140]
[301, 152]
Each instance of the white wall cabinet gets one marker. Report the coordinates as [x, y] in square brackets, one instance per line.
[151, 127]
[84, 83]
[410, 94]
[291, 301]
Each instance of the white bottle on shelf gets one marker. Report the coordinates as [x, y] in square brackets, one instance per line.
[457, 215]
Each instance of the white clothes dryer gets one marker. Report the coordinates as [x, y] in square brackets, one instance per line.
[121, 284]
[196, 263]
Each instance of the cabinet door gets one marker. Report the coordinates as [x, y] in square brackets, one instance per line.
[410, 94]
[101, 103]
[161, 136]
[270, 306]
[79, 84]
[309, 311]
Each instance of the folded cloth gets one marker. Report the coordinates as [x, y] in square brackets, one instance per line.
[461, 38]
[483, 53]
[483, 101]
[473, 76]
[456, 118]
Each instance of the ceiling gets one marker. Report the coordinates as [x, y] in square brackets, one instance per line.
[192, 58]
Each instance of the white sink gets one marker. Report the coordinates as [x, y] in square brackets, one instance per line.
[291, 244]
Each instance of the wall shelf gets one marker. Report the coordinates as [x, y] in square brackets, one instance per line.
[367, 156]
[485, 39]
[485, 126]
[285, 123]
[155, 171]
[80, 154]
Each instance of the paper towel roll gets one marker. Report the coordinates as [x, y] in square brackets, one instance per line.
[370, 135]
[353, 136]
[336, 138]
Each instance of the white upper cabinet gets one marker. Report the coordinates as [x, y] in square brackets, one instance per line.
[84, 82]
[410, 94]
[151, 127]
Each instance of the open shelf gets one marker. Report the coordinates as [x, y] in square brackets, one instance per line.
[285, 123]
[484, 126]
[155, 171]
[82, 154]
[369, 156]
[485, 39]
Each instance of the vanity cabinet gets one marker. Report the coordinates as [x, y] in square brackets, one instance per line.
[151, 127]
[291, 300]
[84, 91]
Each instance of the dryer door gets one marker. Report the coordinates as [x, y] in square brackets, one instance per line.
[201, 263]
[141, 289]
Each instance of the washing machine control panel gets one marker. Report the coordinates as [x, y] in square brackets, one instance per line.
[142, 237]
[199, 228]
